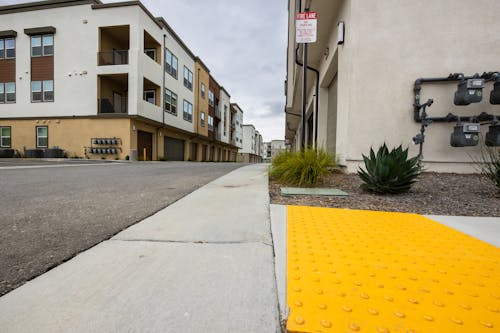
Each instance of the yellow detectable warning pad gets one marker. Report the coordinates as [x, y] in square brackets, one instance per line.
[365, 271]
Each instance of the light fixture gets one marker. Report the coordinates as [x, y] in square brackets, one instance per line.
[341, 32]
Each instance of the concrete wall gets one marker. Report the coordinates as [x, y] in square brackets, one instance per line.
[238, 126]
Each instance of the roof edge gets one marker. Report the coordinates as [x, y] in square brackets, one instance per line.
[126, 4]
[179, 40]
[49, 4]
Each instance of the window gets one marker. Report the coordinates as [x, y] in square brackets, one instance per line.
[170, 101]
[42, 91]
[225, 122]
[188, 111]
[42, 137]
[48, 91]
[42, 45]
[210, 123]
[150, 96]
[170, 63]
[211, 98]
[7, 48]
[7, 92]
[203, 90]
[188, 78]
[150, 53]
[5, 137]
[202, 119]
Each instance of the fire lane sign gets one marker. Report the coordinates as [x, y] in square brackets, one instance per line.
[305, 27]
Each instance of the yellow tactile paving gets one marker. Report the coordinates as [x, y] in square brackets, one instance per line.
[364, 271]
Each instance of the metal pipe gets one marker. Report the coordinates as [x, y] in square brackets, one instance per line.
[304, 98]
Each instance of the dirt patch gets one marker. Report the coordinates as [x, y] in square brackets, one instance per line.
[434, 193]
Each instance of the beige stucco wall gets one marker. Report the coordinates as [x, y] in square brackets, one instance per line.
[388, 45]
[201, 104]
[72, 135]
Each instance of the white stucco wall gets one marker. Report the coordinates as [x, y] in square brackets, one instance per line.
[177, 85]
[388, 45]
[248, 145]
[224, 105]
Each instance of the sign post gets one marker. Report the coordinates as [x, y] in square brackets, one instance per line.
[305, 32]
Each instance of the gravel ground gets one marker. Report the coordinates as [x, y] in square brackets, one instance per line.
[434, 193]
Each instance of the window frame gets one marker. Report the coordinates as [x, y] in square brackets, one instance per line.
[38, 136]
[188, 82]
[202, 119]
[170, 68]
[2, 137]
[211, 98]
[203, 90]
[42, 92]
[6, 93]
[189, 111]
[42, 45]
[5, 48]
[2, 93]
[149, 49]
[170, 103]
[149, 91]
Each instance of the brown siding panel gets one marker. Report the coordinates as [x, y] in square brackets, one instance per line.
[8, 70]
[42, 68]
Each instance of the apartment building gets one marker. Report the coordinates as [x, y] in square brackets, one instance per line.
[369, 56]
[273, 148]
[251, 145]
[236, 120]
[98, 81]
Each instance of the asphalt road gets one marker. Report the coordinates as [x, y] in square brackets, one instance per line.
[50, 211]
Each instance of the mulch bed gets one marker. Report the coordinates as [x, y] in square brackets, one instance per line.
[433, 194]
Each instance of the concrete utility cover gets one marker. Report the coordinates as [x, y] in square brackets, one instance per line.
[289, 191]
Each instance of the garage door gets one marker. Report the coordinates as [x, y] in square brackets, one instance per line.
[174, 149]
[145, 145]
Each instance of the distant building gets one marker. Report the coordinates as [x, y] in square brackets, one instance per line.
[251, 148]
[273, 148]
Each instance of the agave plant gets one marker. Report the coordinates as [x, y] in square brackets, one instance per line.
[389, 171]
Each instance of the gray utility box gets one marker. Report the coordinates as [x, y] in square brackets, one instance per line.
[493, 136]
[469, 91]
[465, 135]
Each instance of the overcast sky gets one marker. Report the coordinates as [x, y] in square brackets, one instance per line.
[244, 45]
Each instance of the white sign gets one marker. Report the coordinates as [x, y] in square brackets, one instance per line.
[306, 27]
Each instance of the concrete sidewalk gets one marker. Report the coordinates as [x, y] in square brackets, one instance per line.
[203, 264]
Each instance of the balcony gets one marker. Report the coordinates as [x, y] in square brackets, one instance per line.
[112, 94]
[217, 135]
[114, 45]
[115, 57]
[217, 115]
[115, 104]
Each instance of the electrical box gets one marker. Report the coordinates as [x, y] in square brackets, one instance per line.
[495, 94]
[465, 135]
[469, 91]
[493, 136]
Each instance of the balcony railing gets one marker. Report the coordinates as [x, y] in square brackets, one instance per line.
[217, 112]
[116, 57]
[217, 135]
[112, 104]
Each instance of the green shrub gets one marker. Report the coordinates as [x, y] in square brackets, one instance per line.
[389, 171]
[163, 158]
[302, 168]
[489, 165]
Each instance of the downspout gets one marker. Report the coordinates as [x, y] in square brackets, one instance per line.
[316, 88]
[162, 93]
